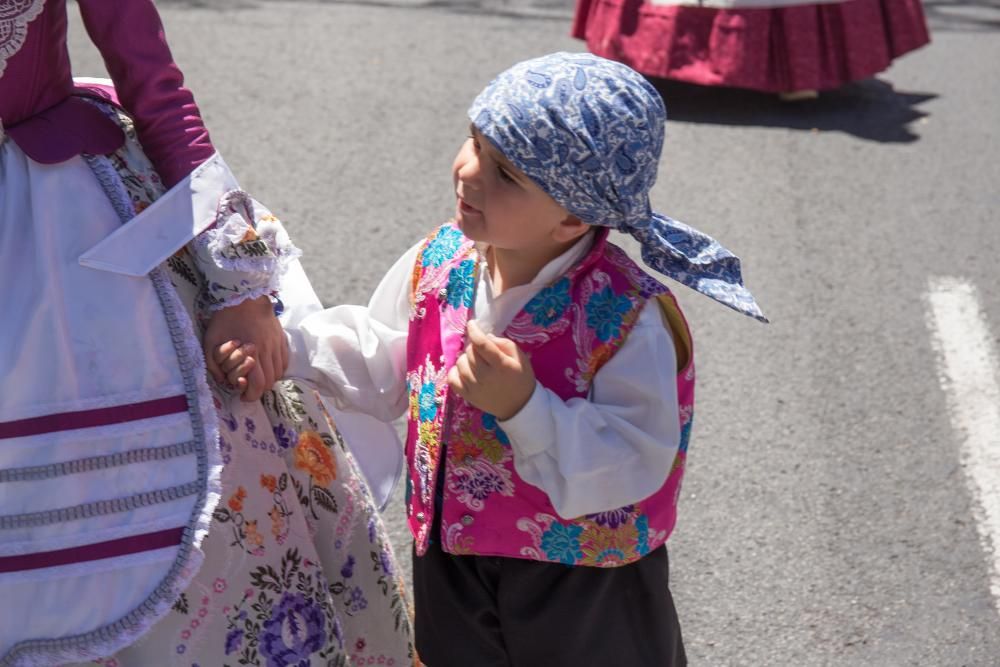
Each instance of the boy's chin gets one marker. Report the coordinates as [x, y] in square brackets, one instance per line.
[472, 229]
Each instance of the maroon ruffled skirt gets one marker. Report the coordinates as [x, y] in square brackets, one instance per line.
[817, 47]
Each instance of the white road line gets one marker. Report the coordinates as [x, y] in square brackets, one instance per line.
[969, 374]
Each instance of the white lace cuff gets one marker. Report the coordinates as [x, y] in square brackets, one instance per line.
[243, 253]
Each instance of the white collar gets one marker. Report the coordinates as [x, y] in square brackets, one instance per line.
[554, 268]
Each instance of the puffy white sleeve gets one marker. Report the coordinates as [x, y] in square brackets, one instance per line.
[356, 355]
[615, 447]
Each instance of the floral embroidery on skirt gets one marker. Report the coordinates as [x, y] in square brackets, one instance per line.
[298, 569]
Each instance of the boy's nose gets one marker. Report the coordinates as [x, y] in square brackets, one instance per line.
[469, 158]
[469, 172]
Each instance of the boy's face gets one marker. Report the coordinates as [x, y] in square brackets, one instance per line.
[497, 204]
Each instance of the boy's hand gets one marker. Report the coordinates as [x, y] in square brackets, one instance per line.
[493, 374]
[261, 363]
[236, 361]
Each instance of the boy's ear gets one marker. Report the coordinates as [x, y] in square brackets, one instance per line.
[570, 229]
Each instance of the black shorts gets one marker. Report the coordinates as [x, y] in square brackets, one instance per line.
[485, 611]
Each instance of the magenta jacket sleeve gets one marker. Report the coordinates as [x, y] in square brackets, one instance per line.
[129, 35]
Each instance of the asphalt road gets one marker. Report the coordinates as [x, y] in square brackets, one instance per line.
[827, 516]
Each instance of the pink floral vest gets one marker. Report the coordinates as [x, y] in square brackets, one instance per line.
[569, 330]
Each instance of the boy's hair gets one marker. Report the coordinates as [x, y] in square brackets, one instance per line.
[589, 132]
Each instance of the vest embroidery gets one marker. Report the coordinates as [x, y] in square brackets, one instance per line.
[569, 329]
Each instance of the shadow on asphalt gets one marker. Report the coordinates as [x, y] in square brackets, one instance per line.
[942, 15]
[963, 15]
[561, 10]
[556, 10]
[870, 109]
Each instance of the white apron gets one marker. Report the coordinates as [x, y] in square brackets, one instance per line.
[111, 446]
[109, 465]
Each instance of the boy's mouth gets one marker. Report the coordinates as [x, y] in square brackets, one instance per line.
[466, 208]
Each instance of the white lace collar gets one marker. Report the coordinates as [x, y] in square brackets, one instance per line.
[15, 15]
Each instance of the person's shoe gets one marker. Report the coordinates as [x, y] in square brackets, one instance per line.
[798, 95]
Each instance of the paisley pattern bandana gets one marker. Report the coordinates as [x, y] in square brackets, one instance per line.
[589, 132]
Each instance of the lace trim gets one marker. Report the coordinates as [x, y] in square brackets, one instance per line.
[91, 463]
[98, 508]
[15, 15]
[245, 254]
[240, 297]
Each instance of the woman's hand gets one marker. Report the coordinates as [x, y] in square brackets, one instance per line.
[251, 367]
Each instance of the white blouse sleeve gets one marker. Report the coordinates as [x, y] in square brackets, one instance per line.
[615, 447]
[356, 355]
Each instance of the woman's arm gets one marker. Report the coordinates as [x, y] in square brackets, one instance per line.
[240, 248]
[150, 86]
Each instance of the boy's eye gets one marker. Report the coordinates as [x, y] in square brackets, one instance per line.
[475, 142]
[505, 175]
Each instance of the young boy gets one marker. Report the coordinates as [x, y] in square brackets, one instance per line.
[544, 461]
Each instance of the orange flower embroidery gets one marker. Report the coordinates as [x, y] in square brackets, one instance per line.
[277, 522]
[269, 482]
[236, 500]
[253, 535]
[599, 358]
[312, 455]
[460, 451]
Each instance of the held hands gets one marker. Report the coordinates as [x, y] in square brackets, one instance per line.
[493, 374]
[251, 368]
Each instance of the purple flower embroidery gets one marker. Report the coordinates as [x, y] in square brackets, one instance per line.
[296, 630]
[348, 570]
[357, 602]
[480, 484]
[386, 561]
[613, 518]
[283, 436]
[234, 639]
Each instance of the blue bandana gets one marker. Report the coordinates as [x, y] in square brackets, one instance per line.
[589, 132]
